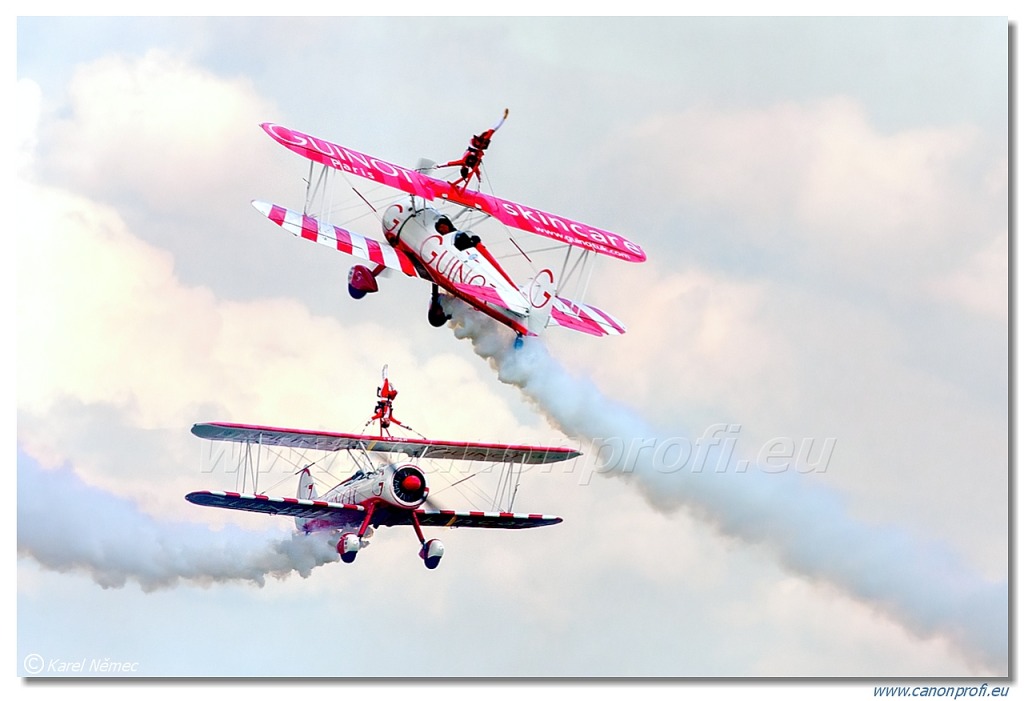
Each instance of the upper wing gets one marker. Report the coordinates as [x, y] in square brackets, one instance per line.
[307, 227]
[484, 519]
[527, 219]
[535, 221]
[328, 441]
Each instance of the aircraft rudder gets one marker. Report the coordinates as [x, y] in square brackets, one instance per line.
[305, 490]
[540, 292]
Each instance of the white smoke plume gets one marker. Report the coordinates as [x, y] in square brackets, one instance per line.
[921, 585]
[68, 525]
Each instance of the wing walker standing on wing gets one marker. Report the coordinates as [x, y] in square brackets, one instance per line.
[422, 241]
[474, 155]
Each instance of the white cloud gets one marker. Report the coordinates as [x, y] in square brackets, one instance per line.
[981, 281]
[108, 332]
[818, 183]
[158, 128]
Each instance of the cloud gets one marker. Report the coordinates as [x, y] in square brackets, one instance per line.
[699, 337]
[158, 128]
[67, 525]
[817, 184]
[921, 584]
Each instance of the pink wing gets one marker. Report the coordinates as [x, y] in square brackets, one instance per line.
[526, 219]
[535, 221]
[512, 299]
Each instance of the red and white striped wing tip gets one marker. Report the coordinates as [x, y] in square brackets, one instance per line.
[484, 519]
[284, 506]
[324, 233]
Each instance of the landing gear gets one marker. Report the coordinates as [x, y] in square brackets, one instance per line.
[348, 547]
[436, 314]
[363, 281]
[432, 550]
[518, 343]
[350, 543]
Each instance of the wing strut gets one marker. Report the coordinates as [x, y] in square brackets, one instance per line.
[316, 191]
[577, 268]
[508, 484]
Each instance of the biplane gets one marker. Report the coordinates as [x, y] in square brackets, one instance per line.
[389, 492]
[422, 241]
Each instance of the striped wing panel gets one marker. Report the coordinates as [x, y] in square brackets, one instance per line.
[484, 519]
[311, 229]
[585, 318]
[329, 513]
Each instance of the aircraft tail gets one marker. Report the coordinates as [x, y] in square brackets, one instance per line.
[540, 293]
[584, 318]
[306, 490]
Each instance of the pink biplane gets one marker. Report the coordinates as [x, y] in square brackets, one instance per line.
[392, 493]
[421, 241]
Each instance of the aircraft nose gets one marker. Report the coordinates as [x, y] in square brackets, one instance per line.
[411, 483]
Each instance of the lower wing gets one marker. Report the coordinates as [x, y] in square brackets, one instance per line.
[328, 514]
[311, 229]
[484, 519]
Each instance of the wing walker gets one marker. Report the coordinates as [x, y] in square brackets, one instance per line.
[423, 238]
[387, 487]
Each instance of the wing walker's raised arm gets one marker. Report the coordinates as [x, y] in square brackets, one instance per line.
[472, 159]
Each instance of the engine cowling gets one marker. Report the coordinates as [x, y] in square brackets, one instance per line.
[407, 485]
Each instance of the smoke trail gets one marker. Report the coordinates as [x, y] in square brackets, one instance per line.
[67, 525]
[922, 585]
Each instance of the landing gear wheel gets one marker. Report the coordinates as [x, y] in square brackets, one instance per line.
[435, 314]
[431, 552]
[348, 547]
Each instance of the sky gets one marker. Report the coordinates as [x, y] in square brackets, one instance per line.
[824, 206]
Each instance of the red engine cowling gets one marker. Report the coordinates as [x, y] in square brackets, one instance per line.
[407, 485]
[361, 281]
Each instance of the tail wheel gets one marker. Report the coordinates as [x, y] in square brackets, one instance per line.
[348, 547]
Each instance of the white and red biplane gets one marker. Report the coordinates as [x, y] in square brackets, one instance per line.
[423, 242]
[390, 494]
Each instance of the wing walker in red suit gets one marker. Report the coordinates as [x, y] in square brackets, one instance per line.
[469, 164]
